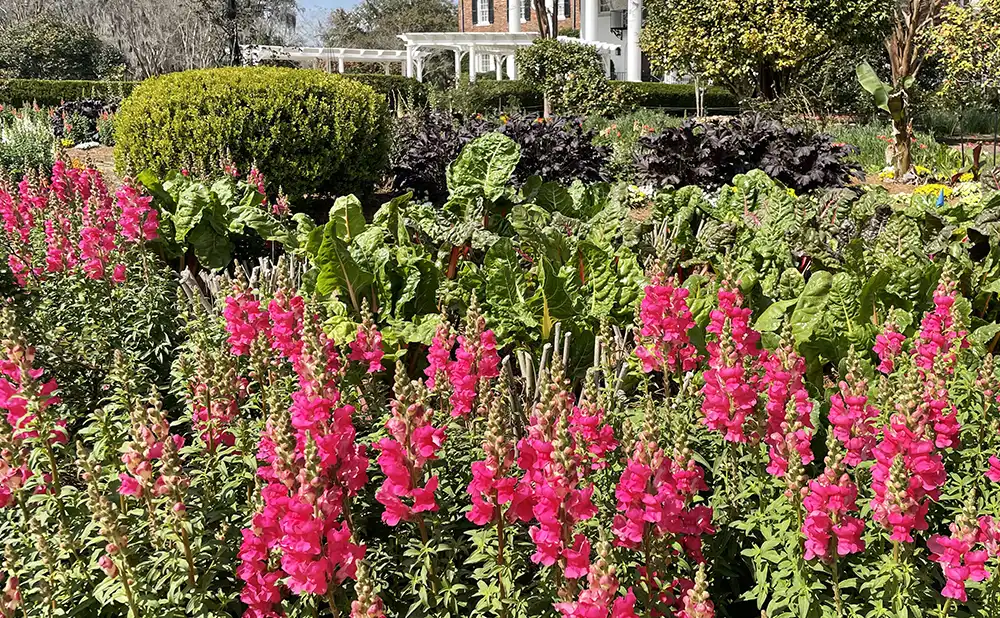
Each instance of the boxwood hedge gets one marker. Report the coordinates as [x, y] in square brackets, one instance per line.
[50, 92]
[309, 132]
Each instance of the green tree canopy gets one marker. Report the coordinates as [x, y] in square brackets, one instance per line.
[48, 48]
[376, 23]
[754, 47]
[966, 44]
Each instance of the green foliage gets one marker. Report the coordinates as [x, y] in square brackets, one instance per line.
[966, 43]
[47, 48]
[205, 217]
[571, 75]
[399, 91]
[26, 142]
[46, 92]
[307, 131]
[755, 49]
[679, 98]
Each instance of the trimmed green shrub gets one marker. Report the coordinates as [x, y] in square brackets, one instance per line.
[398, 90]
[308, 132]
[680, 97]
[53, 92]
[45, 47]
[489, 96]
[492, 96]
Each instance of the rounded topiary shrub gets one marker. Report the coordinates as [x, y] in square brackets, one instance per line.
[308, 132]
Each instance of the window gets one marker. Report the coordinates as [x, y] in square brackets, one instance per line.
[483, 13]
[526, 10]
[563, 9]
[604, 6]
[484, 63]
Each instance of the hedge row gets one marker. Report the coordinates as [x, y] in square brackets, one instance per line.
[488, 95]
[396, 88]
[49, 93]
[309, 132]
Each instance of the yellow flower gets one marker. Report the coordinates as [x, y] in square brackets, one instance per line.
[921, 170]
[932, 189]
[966, 177]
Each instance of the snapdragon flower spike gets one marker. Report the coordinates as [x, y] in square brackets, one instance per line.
[592, 434]
[368, 603]
[788, 407]
[493, 485]
[413, 441]
[439, 356]
[367, 345]
[829, 528]
[139, 221]
[600, 598]
[730, 388]
[476, 362]
[14, 469]
[655, 495]
[287, 312]
[852, 418]
[959, 561]
[312, 465]
[697, 603]
[24, 396]
[10, 596]
[939, 332]
[888, 347]
[245, 319]
[665, 319]
[908, 471]
[551, 491]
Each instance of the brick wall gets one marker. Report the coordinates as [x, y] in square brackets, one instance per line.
[467, 17]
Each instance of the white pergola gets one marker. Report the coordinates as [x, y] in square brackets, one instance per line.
[502, 46]
[323, 57]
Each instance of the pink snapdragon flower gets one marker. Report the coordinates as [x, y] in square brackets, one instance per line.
[730, 388]
[829, 527]
[853, 419]
[413, 441]
[476, 363]
[245, 319]
[367, 346]
[655, 496]
[139, 221]
[439, 355]
[666, 320]
[888, 347]
[493, 485]
[960, 561]
[311, 464]
[788, 408]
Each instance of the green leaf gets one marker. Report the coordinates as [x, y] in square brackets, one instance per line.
[338, 270]
[191, 203]
[486, 163]
[554, 198]
[152, 184]
[556, 301]
[772, 317]
[984, 334]
[213, 250]
[809, 306]
[871, 82]
[347, 218]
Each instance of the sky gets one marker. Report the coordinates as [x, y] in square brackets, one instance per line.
[313, 13]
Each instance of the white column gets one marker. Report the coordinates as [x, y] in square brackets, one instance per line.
[590, 11]
[513, 25]
[633, 60]
[498, 65]
[420, 69]
[385, 67]
[472, 63]
[458, 67]
[340, 65]
[408, 67]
